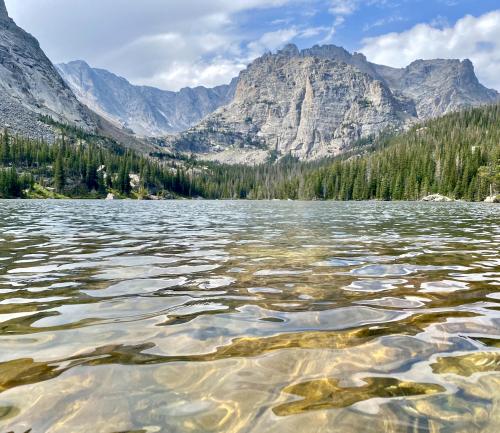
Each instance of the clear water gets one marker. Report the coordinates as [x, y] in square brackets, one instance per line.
[249, 317]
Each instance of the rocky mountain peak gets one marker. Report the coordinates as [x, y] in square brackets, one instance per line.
[296, 102]
[318, 101]
[3, 10]
[81, 64]
[4, 15]
[30, 86]
[442, 67]
[468, 64]
[327, 51]
[289, 50]
[145, 110]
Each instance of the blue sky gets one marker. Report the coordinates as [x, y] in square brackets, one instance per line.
[176, 43]
[367, 19]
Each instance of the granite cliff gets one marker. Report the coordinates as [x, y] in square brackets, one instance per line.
[30, 86]
[310, 103]
[316, 102]
[147, 111]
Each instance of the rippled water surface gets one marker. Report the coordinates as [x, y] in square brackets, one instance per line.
[249, 317]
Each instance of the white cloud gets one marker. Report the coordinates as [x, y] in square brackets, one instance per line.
[343, 7]
[476, 38]
[270, 41]
[166, 43]
[209, 73]
[348, 7]
[383, 22]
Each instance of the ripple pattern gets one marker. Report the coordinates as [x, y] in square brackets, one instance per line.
[249, 317]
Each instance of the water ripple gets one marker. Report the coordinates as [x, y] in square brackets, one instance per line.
[249, 317]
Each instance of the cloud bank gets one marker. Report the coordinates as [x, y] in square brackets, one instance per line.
[177, 43]
[475, 38]
[164, 43]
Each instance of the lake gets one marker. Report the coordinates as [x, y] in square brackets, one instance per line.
[198, 316]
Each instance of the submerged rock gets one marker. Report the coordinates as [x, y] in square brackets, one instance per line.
[437, 198]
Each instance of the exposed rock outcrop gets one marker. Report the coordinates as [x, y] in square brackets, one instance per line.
[304, 105]
[318, 101]
[30, 85]
[492, 199]
[311, 103]
[428, 88]
[145, 110]
[438, 87]
[437, 198]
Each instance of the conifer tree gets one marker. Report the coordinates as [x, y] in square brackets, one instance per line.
[59, 174]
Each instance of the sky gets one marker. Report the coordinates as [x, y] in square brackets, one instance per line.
[172, 44]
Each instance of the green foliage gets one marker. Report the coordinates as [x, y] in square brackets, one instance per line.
[82, 169]
[457, 155]
[59, 173]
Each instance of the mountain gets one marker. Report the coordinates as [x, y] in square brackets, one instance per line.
[311, 103]
[431, 88]
[438, 87]
[456, 155]
[145, 110]
[318, 101]
[30, 86]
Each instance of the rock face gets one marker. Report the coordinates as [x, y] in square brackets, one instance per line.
[30, 86]
[437, 198]
[145, 110]
[428, 88]
[315, 102]
[492, 199]
[3, 11]
[438, 87]
[305, 105]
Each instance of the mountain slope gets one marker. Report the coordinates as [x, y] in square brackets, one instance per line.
[315, 102]
[31, 89]
[438, 86]
[146, 110]
[30, 85]
[456, 155]
[431, 88]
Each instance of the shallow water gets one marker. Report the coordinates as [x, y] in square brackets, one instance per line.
[249, 317]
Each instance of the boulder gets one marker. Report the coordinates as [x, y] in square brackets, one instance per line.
[110, 196]
[437, 198]
[492, 199]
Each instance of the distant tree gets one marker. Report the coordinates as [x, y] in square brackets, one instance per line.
[5, 148]
[59, 174]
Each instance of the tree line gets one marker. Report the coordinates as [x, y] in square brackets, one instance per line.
[457, 155]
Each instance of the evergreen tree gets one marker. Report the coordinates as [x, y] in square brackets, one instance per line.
[59, 174]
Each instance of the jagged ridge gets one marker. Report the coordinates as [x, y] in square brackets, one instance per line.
[30, 85]
[314, 102]
[146, 110]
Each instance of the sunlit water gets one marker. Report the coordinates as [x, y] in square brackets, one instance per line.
[249, 317]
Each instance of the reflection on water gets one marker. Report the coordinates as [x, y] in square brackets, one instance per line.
[249, 317]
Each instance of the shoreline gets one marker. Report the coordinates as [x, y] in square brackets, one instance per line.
[243, 200]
